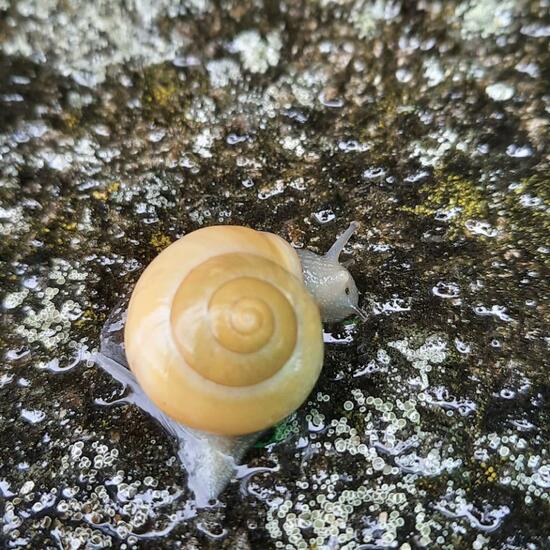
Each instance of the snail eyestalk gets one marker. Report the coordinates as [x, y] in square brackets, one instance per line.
[336, 249]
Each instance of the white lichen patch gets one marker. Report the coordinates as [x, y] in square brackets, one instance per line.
[433, 72]
[369, 17]
[68, 152]
[49, 325]
[201, 111]
[148, 196]
[204, 141]
[223, 72]
[294, 144]
[95, 35]
[15, 299]
[485, 17]
[305, 86]
[48, 317]
[396, 450]
[500, 91]
[107, 503]
[432, 150]
[258, 54]
[13, 221]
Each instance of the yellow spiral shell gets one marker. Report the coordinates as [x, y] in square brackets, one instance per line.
[221, 333]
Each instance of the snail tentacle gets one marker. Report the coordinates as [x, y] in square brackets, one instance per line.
[336, 249]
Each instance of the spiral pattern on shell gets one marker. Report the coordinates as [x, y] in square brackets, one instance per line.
[222, 334]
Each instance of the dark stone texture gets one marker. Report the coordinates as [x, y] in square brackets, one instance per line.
[124, 126]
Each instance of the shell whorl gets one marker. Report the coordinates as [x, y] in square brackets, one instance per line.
[235, 331]
[222, 334]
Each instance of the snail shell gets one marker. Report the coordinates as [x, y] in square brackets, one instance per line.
[222, 334]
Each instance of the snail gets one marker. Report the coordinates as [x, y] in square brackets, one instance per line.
[223, 338]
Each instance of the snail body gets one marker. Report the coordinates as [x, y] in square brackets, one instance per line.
[224, 338]
[329, 282]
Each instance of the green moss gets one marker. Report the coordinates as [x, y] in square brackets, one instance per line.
[104, 194]
[451, 193]
[162, 90]
[528, 220]
[71, 119]
[160, 241]
[534, 219]
[280, 432]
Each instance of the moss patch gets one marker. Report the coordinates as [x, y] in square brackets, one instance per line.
[451, 197]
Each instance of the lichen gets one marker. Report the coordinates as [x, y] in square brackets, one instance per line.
[485, 18]
[528, 215]
[368, 17]
[258, 54]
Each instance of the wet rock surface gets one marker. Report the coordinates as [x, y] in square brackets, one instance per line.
[124, 126]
